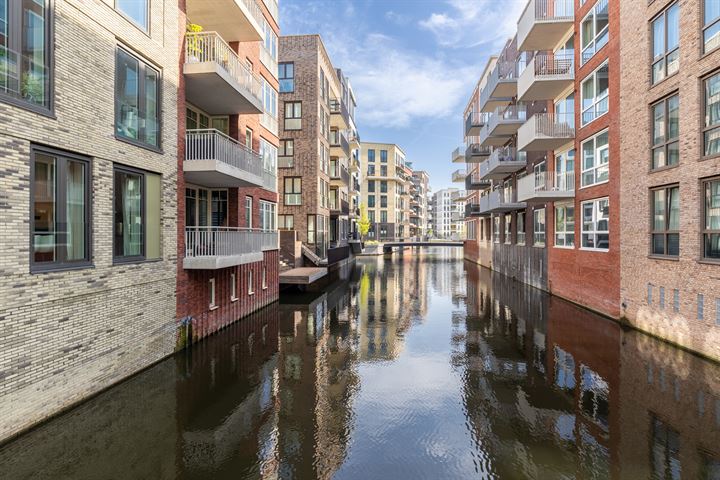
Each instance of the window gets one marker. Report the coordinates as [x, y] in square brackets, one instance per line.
[251, 287]
[595, 224]
[267, 216]
[269, 154]
[371, 155]
[293, 115]
[665, 43]
[264, 278]
[508, 224]
[712, 115]
[293, 191]
[496, 229]
[248, 212]
[311, 229]
[135, 10]
[212, 303]
[383, 171]
[594, 91]
[205, 207]
[136, 200]
[249, 138]
[270, 106]
[60, 211]
[25, 51]
[594, 30]
[371, 201]
[711, 234]
[137, 93]
[324, 191]
[286, 76]
[371, 185]
[286, 154]
[595, 162]
[565, 225]
[383, 186]
[286, 222]
[520, 238]
[233, 288]
[711, 25]
[666, 132]
[539, 227]
[383, 216]
[371, 170]
[383, 201]
[665, 234]
[383, 156]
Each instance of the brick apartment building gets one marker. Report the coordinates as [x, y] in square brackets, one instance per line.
[318, 148]
[88, 100]
[227, 165]
[419, 209]
[386, 190]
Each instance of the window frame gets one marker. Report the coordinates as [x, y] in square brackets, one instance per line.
[594, 221]
[667, 141]
[597, 100]
[143, 64]
[705, 104]
[282, 220]
[508, 225]
[520, 229]
[707, 231]
[594, 41]
[40, 267]
[707, 26]
[537, 233]
[282, 69]
[596, 156]
[296, 112]
[565, 231]
[248, 211]
[294, 191]
[496, 228]
[282, 152]
[126, 16]
[212, 305]
[664, 58]
[233, 287]
[666, 231]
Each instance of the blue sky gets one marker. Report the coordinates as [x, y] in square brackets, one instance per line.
[412, 63]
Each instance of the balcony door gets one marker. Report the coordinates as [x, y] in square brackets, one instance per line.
[205, 207]
[565, 170]
[565, 111]
[539, 173]
[196, 119]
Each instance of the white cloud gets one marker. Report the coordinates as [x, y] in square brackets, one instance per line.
[470, 23]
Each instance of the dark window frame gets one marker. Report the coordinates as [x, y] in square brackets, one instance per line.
[282, 76]
[294, 111]
[707, 26]
[706, 231]
[122, 259]
[383, 158]
[664, 58]
[667, 141]
[125, 15]
[666, 232]
[293, 192]
[40, 267]
[705, 128]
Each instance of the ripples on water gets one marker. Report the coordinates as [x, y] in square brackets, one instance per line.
[419, 367]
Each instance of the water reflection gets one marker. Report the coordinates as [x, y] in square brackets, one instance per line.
[416, 367]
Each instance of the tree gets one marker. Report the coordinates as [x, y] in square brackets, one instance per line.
[364, 223]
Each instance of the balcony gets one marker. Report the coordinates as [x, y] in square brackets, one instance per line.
[503, 123]
[502, 163]
[500, 200]
[338, 141]
[339, 116]
[543, 187]
[339, 172]
[544, 23]
[339, 208]
[234, 20]
[546, 131]
[546, 76]
[213, 248]
[458, 176]
[500, 87]
[475, 153]
[213, 159]
[472, 210]
[474, 122]
[215, 78]
[458, 155]
[475, 182]
[269, 59]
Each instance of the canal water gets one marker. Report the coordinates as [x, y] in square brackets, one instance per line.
[422, 366]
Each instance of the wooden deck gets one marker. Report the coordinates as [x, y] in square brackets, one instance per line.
[302, 276]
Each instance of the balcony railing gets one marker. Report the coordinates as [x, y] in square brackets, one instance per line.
[458, 155]
[545, 187]
[340, 173]
[208, 48]
[546, 131]
[337, 139]
[476, 153]
[502, 162]
[211, 248]
[474, 121]
[338, 108]
[547, 75]
[458, 176]
[475, 182]
[500, 87]
[543, 23]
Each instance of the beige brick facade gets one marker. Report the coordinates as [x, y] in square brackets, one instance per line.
[682, 278]
[69, 334]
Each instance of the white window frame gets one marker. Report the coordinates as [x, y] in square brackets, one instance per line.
[496, 229]
[233, 288]
[537, 233]
[598, 99]
[248, 209]
[508, 225]
[565, 231]
[268, 216]
[212, 305]
[596, 156]
[597, 35]
[250, 283]
[264, 278]
[594, 220]
[520, 229]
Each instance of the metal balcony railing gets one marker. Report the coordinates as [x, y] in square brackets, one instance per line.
[203, 47]
[538, 12]
[509, 114]
[339, 108]
[476, 153]
[338, 139]
[546, 76]
[227, 241]
[547, 185]
[474, 120]
[214, 145]
[339, 172]
[458, 176]
[503, 72]
[548, 64]
[546, 129]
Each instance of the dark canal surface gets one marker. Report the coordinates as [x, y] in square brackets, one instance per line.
[419, 367]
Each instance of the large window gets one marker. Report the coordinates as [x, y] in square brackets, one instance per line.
[508, 226]
[595, 162]
[539, 227]
[286, 154]
[286, 222]
[383, 186]
[371, 201]
[596, 224]
[496, 229]
[25, 50]
[711, 233]
[383, 156]
[564, 225]
[383, 216]
[665, 43]
[711, 25]
[135, 10]
[712, 115]
[136, 213]
[267, 216]
[60, 211]
[666, 132]
[383, 201]
[208, 208]
[594, 30]
[293, 191]
[520, 227]
[371, 155]
[594, 91]
[286, 72]
[293, 115]
[137, 95]
[665, 235]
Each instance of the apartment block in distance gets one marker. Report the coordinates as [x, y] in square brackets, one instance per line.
[227, 193]
[670, 173]
[386, 190]
[419, 209]
[316, 156]
[448, 213]
[88, 141]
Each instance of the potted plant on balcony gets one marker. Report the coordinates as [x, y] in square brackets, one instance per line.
[194, 42]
